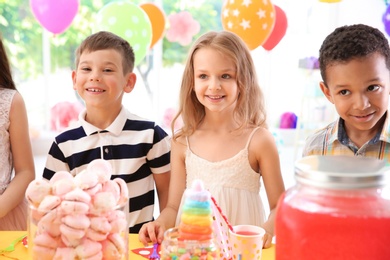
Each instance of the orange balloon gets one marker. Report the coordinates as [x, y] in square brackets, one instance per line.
[252, 20]
[157, 20]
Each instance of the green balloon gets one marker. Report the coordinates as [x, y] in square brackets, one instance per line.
[128, 21]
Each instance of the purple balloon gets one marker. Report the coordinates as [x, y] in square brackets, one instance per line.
[54, 15]
[386, 20]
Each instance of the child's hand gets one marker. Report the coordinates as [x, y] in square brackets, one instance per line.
[267, 241]
[151, 232]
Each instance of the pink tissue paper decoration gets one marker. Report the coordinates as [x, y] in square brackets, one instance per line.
[182, 28]
[63, 114]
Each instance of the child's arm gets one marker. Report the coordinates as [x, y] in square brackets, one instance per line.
[22, 157]
[154, 231]
[264, 147]
[162, 187]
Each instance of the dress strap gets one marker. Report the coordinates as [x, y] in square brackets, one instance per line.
[250, 137]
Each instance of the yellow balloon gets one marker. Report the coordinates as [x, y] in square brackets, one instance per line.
[252, 20]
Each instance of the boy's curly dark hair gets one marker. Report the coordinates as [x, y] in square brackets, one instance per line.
[352, 41]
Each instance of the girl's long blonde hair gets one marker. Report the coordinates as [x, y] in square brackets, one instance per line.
[249, 110]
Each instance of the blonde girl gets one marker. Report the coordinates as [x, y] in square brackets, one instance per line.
[224, 140]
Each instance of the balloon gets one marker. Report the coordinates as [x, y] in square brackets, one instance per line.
[128, 21]
[252, 20]
[157, 20]
[279, 30]
[54, 15]
[386, 20]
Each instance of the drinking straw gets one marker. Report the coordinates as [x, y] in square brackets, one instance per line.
[223, 215]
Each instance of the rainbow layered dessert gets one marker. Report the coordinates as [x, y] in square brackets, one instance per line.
[193, 238]
[196, 218]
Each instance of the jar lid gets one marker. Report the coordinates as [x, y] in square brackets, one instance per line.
[342, 172]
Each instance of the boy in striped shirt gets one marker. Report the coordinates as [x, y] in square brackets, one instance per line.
[138, 149]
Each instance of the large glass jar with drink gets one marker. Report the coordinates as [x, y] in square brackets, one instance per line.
[338, 209]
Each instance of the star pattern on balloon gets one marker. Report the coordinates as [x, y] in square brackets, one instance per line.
[261, 13]
[246, 2]
[245, 24]
[253, 20]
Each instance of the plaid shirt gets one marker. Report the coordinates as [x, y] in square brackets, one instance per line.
[333, 140]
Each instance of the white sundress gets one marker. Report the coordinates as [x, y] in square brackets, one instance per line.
[232, 182]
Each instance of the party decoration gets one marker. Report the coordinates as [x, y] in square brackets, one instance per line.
[310, 63]
[182, 28]
[128, 21]
[288, 120]
[386, 20]
[157, 20]
[54, 15]
[145, 252]
[63, 114]
[252, 20]
[279, 30]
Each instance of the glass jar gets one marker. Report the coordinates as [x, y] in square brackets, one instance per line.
[55, 234]
[338, 209]
[174, 248]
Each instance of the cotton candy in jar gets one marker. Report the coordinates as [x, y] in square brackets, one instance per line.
[78, 217]
[338, 209]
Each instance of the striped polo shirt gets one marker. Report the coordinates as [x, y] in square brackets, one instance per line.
[135, 147]
[333, 140]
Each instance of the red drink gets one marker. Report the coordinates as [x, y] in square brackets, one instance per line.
[246, 233]
[338, 210]
[305, 235]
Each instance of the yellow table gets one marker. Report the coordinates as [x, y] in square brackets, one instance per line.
[20, 253]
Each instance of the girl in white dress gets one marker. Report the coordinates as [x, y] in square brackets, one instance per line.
[16, 159]
[224, 140]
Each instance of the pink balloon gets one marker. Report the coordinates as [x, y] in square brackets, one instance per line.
[279, 30]
[54, 15]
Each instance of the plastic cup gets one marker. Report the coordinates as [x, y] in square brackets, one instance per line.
[246, 242]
